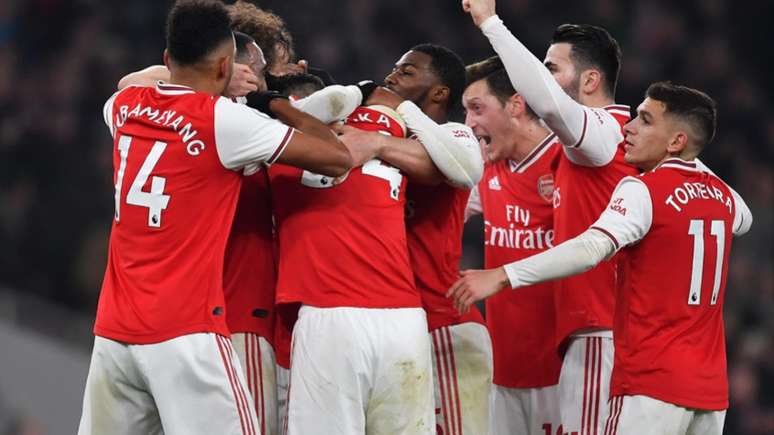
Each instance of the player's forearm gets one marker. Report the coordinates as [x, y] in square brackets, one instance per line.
[304, 122]
[461, 165]
[531, 79]
[146, 77]
[411, 158]
[570, 258]
[324, 149]
[332, 103]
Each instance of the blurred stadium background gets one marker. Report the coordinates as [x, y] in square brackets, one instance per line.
[60, 60]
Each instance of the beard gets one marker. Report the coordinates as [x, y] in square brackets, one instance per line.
[573, 89]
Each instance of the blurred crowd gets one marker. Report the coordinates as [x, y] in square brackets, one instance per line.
[60, 60]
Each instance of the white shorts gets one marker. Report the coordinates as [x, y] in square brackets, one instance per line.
[643, 415]
[528, 411]
[257, 358]
[584, 384]
[462, 378]
[283, 382]
[191, 384]
[357, 371]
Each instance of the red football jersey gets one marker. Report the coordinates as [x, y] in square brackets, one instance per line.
[435, 216]
[518, 223]
[669, 335]
[175, 156]
[582, 192]
[250, 270]
[342, 242]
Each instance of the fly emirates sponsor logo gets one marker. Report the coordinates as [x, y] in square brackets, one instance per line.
[166, 118]
[517, 234]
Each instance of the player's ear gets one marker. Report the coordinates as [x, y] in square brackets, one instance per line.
[590, 81]
[225, 68]
[166, 58]
[515, 105]
[440, 93]
[678, 143]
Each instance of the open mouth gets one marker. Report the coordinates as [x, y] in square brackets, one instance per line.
[483, 137]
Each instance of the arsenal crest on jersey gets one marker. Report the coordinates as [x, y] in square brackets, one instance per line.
[545, 186]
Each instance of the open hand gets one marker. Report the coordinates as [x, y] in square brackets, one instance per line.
[243, 81]
[476, 285]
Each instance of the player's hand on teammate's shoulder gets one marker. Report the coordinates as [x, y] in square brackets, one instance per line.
[384, 97]
[362, 145]
[479, 10]
[243, 81]
[476, 285]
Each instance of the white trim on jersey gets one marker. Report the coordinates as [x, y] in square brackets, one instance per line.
[541, 148]
[244, 136]
[172, 89]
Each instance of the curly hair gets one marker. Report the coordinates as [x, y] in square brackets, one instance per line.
[268, 29]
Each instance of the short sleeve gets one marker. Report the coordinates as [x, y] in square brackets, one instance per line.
[628, 215]
[107, 113]
[244, 136]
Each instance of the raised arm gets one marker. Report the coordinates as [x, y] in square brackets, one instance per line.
[590, 135]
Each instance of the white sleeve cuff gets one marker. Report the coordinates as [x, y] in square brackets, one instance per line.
[490, 22]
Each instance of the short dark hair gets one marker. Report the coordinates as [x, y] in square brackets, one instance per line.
[592, 47]
[242, 41]
[268, 29]
[693, 106]
[300, 85]
[449, 68]
[493, 71]
[195, 28]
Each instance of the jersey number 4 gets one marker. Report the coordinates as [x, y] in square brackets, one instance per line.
[155, 200]
[696, 230]
[373, 167]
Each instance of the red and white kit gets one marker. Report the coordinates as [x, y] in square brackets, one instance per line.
[360, 354]
[161, 313]
[462, 350]
[248, 282]
[675, 226]
[588, 171]
[516, 201]
[584, 303]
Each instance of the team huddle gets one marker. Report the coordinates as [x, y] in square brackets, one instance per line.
[284, 255]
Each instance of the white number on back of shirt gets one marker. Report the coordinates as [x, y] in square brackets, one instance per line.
[155, 200]
[696, 230]
[374, 167]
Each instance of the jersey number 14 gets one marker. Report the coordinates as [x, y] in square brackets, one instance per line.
[155, 200]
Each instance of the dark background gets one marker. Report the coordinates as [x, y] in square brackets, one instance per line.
[60, 60]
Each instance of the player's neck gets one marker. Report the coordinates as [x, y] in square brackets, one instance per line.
[195, 81]
[526, 140]
[435, 112]
[598, 99]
